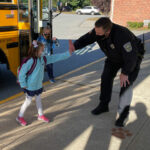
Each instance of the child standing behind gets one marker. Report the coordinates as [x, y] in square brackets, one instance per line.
[46, 40]
[32, 84]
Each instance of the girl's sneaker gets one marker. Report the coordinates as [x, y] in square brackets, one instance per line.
[21, 121]
[43, 118]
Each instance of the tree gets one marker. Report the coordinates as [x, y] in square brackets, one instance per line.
[55, 3]
[77, 3]
[74, 3]
[103, 5]
[86, 3]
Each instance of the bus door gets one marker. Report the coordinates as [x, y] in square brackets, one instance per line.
[33, 16]
[24, 27]
[39, 17]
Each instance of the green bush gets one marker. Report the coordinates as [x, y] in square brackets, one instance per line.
[129, 24]
[140, 24]
[149, 25]
[135, 24]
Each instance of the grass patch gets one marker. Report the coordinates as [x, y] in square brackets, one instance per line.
[93, 19]
[70, 12]
[140, 29]
[149, 26]
[135, 24]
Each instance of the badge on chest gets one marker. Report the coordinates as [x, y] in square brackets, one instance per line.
[112, 46]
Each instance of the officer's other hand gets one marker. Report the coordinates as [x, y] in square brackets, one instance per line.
[124, 80]
[71, 47]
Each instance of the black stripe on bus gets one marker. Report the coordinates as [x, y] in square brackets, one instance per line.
[8, 7]
[8, 28]
[12, 45]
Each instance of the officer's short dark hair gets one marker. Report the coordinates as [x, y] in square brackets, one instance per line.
[104, 22]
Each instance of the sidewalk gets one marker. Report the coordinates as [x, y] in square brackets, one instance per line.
[68, 103]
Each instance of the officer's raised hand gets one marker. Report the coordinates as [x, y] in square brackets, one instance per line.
[124, 80]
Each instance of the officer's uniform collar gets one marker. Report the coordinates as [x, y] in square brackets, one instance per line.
[112, 30]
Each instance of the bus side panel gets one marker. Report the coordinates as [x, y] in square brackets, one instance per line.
[9, 35]
[8, 18]
[9, 44]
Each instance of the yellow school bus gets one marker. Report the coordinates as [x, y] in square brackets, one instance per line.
[19, 19]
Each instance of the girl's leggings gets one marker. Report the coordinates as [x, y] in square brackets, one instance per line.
[27, 103]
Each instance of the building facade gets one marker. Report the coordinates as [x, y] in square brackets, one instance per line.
[123, 11]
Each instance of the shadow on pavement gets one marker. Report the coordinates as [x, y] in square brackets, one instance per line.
[68, 103]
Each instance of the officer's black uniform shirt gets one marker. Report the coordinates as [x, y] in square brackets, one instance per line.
[121, 47]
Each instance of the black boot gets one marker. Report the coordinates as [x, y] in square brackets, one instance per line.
[123, 116]
[100, 109]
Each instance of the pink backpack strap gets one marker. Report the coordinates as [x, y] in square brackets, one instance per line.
[45, 59]
[23, 62]
[32, 67]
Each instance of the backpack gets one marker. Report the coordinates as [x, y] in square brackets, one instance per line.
[31, 69]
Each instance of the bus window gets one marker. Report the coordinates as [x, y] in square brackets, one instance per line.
[23, 11]
[45, 10]
[5, 1]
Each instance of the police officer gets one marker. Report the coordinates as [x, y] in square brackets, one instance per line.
[124, 51]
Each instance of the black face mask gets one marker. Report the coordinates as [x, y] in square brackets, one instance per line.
[103, 37]
[47, 36]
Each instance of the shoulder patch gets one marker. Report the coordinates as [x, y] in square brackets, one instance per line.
[128, 47]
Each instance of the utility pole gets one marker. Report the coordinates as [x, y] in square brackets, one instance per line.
[51, 22]
[112, 9]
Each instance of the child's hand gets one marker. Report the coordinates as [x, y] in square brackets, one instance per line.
[54, 38]
[71, 47]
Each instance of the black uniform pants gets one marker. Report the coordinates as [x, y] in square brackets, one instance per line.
[107, 78]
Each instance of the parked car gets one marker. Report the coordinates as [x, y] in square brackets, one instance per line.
[46, 10]
[93, 10]
[66, 9]
[54, 9]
